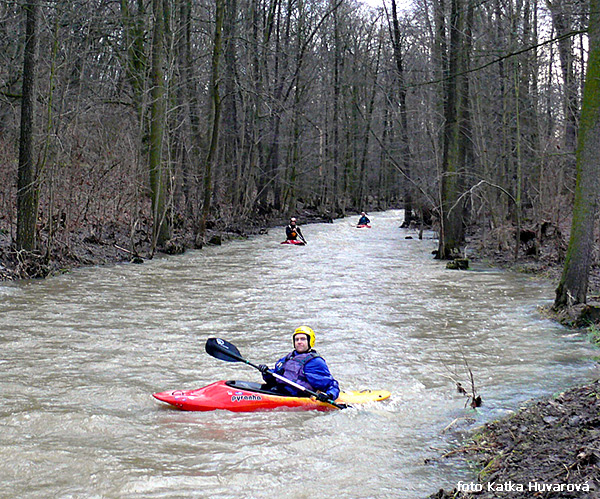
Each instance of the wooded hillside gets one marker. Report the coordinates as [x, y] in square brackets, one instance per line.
[153, 121]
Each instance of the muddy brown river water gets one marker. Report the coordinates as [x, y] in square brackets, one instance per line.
[81, 354]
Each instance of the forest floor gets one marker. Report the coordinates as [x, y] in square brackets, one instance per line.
[551, 445]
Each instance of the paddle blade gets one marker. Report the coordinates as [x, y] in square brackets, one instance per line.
[223, 350]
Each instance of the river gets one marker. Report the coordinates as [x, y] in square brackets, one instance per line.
[81, 354]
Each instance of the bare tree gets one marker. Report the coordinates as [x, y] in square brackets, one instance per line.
[158, 176]
[573, 285]
[562, 19]
[216, 116]
[405, 146]
[27, 188]
[456, 131]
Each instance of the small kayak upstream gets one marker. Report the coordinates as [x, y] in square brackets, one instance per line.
[293, 241]
[246, 396]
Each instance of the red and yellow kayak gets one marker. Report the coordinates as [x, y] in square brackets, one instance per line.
[246, 396]
[363, 226]
[293, 241]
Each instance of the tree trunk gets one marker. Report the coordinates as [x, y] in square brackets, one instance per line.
[361, 198]
[266, 180]
[573, 285]
[231, 124]
[336, 113]
[158, 178]
[564, 26]
[455, 136]
[280, 66]
[198, 140]
[216, 117]
[405, 146]
[27, 189]
[133, 35]
[185, 135]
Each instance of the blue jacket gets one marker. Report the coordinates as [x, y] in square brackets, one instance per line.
[315, 373]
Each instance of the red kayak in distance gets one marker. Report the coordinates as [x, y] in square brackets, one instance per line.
[363, 226]
[247, 396]
[294, 241]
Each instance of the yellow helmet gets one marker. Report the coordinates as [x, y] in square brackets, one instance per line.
[310, 334]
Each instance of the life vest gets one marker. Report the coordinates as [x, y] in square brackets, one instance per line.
[293, 367]
[291, 232]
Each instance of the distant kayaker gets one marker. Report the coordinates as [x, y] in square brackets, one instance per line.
[292, 231]
[303, 366]
[363, 220]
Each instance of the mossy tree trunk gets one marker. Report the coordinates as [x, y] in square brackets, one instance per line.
[573, 285]
[456, 132]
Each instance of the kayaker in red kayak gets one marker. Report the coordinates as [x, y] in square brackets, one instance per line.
[292, 231]
[364, 220]
[303, 366]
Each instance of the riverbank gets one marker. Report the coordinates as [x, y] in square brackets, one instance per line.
[549, 448]
[113, 244]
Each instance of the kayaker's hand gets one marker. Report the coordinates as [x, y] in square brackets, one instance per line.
[323, 397]
[263, 368]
